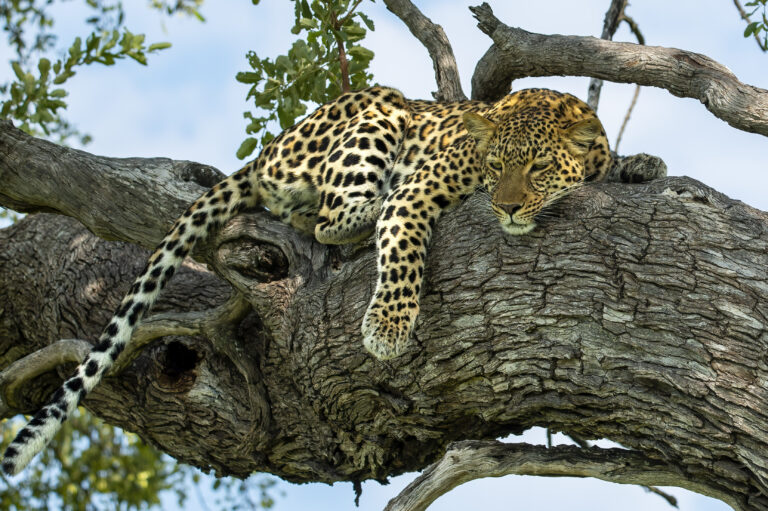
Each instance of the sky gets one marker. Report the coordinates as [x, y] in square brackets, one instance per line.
[187, 105]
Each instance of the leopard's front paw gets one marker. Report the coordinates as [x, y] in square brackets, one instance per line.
[638, 168]
[386, 329]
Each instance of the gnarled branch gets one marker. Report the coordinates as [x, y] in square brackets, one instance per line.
[610, 23]
[517, 54]
[438, 46]
[472, 459]
[39, 176]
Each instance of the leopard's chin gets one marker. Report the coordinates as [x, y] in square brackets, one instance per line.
[510, 227]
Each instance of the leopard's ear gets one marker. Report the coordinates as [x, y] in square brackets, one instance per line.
[480, 128]
[582, 134]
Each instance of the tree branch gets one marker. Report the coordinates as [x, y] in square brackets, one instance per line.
[35, 364]
[469, 460]
[343, 63]
[210, 322]
[438, 46]
[610, 24]
[40, 176]
[672, 501]
[517, 53]
[624, 123]
[633, 26]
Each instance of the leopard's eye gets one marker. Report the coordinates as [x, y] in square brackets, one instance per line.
[494, 165]
[538, 167]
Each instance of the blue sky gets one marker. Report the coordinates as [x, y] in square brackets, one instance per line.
[186, 104]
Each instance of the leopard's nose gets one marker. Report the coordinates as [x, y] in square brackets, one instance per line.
[511, 209]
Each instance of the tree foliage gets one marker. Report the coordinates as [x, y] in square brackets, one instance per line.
[36, 95]
[113, 470]
[326, 60]
[757, 21]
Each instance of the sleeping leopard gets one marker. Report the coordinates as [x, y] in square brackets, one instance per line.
[369, 161]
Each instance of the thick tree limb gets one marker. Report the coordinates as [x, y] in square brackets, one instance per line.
[640, 315]
[469, 460]
[39, 176]
[438, 46]
[211, 322]
[517, 53]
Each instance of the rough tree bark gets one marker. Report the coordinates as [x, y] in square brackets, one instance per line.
[638, 314]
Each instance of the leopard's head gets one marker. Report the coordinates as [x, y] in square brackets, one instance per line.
[531, 161]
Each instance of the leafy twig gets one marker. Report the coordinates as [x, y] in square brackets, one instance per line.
[754, 27]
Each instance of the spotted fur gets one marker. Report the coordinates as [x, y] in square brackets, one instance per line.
[368, 160]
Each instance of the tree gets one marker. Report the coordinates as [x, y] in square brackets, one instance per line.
[365, 419]
[122, 471]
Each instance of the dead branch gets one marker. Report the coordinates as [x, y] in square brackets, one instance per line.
[517, 53]
[469, 460]
[438, 46]
[610, 24]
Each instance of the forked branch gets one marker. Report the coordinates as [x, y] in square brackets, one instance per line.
[472, 459]
[434, 39]
[517, 53]
[611, 22]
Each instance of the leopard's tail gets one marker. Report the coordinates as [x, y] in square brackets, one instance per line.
[219, 204]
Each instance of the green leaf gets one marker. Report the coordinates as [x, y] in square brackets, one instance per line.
[74, 51]
[92, 43]
[267, 138]
[751, 28]
[248, 77]
[246, 148]
[307, 23]
[368, 21]
[158, 46]
[360, 52]
[305, 10]
[18, 70]
[44, 66]
[63, 77]
[354, 31]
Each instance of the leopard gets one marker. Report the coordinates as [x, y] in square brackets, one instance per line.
[370, 161]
